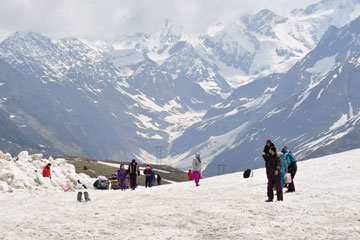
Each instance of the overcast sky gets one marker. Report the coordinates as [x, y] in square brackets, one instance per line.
[107, 19]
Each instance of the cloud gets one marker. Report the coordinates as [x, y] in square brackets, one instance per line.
[99, 19]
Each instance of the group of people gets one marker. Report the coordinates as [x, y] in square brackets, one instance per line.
[277, 164]
[133, 172]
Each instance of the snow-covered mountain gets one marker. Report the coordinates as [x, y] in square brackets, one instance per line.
[314, 105]
[185, 93]
[264, 43]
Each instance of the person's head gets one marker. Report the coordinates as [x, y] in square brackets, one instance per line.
[122, 166]
[190, 171]
[48, 165]
[272, 151]
[133, 161]
[284, 149]
[268, 143]
[197, 155]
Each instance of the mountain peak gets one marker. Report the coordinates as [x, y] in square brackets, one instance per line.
[325, 5]
[26, 36]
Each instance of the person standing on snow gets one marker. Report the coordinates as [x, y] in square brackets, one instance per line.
[121, 176]
[197, 169]
[133, 172]
[283, 168]
[147, 172]
[46, 171]
[292, 167]
[274, 176]
[266, 153]
[190, 175]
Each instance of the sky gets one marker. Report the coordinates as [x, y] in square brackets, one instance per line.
[108, 19]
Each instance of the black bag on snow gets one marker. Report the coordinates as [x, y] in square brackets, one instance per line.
[247, 173]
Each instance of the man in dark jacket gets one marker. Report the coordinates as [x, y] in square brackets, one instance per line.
[266, 153]
[274, 176]
[147, 173]
[133, 173]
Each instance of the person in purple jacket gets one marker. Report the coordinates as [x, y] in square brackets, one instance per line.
[121, 176]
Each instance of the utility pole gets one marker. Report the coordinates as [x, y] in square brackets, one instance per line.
[221, 168]
[158, 154]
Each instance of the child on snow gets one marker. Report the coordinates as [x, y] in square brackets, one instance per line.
[121, 176]
[46, 171]
[148, 174]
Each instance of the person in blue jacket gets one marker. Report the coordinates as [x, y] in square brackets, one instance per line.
[283, 168]
[292, 167]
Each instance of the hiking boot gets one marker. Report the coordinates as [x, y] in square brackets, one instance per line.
[197, 184]
[269, 200]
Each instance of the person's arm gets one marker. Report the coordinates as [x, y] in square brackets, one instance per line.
[278, 166]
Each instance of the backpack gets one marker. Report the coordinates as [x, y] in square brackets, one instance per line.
[292, 158]
[247, 173]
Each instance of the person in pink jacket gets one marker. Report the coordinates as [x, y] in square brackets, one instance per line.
[197, 169]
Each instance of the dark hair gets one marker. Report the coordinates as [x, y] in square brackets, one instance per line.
[284, 149]
[268, 141]
[273, 148]
[49, 164]
[133, 161]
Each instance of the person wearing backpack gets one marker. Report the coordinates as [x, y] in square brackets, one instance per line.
[197, 169]
[133, 171]
[148, 173]
[292, 167]
[274, 176]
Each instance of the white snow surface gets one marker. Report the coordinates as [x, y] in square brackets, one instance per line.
[24, 174]
[325, 206]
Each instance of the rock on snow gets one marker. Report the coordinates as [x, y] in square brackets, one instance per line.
[325, 206]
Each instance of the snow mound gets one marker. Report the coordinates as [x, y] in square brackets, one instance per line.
[24, 173]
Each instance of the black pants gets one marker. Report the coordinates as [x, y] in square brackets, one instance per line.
[147, 181]
[133, 181]
[274, 180]
[292, 171]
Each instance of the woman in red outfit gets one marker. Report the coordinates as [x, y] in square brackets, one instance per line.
[190, 175]
[46, 171]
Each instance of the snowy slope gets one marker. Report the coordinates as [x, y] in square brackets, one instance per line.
[324, 206]
[24, 174]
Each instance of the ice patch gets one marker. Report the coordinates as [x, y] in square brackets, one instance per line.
[339, 122]
[323, 66]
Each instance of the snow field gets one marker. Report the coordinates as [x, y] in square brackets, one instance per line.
[325, 206]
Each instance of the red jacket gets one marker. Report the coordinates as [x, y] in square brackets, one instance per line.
[190, 175]
[148, 172]
[46, 172]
